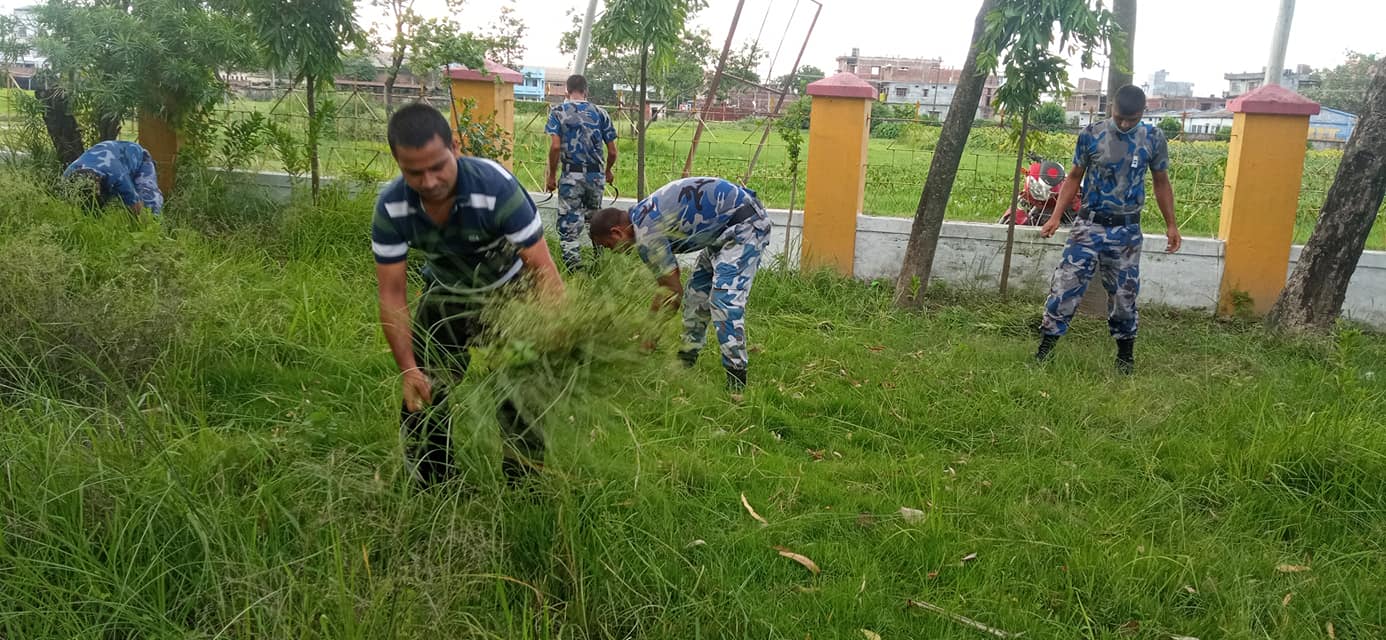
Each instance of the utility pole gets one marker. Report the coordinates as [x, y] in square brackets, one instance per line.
[1276, 67]
[585, 39]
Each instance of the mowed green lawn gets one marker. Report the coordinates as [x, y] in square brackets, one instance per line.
[198, 432]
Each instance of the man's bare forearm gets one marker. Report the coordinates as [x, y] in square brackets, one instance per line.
[1164, 196]
[394, 321]
[554, 155]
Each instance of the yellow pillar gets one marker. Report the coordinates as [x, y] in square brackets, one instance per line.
[160, 139]
[1265, 165]
[836, 184]
[494, 93]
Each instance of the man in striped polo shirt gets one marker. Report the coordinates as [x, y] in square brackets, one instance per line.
[481, 237]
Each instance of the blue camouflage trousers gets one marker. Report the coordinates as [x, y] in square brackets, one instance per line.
[579, 195]
[1117, 250]
[720, 284]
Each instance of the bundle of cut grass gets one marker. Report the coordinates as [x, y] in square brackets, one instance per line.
[540, 354]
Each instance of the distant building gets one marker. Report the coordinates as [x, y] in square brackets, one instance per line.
[1087, 98]
[923, 82]
[532, 88]
[1298, 79]
[23, 69]
[1161, 86]
[1331, 126]
[556, 83]
[1187, 103]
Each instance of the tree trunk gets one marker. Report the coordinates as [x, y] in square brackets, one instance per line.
[61, 124]
[640, 124]
[1015, 198]
[390, 93]
[1313, 298]
[1119, 72]
[313, 134]
[108, 127]
[943, 169]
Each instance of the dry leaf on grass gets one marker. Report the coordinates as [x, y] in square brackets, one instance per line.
[803, 560]
[962, 619]
[911, 515]
[969, 558]
[816, 455]
[870, 635]
[753, 513]
[1292, 568]
[876, 348]
[1131, 628]
[695, 543]
[1332, 634]
[1288, 597]
[1190, 589]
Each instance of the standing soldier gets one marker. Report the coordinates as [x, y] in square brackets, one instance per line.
[119, 169]
[729, 227]
[483, 242]
[1114, 156]
[577, 132]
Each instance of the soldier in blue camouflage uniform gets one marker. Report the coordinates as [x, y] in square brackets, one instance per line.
[729, 228]
[122, 170]
[1111, 160]
[578, 130]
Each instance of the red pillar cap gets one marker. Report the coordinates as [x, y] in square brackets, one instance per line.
[493, 70]
[1274, 100]
[842, 85]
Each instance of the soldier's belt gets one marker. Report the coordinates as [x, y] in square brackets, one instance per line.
[1111, 220]
[583, 168]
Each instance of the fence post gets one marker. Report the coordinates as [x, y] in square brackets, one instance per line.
[494, 93]
[160, 139]
[1265, 168]
[839, 130]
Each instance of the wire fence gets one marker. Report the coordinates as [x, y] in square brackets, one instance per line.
[269, 134]
[725, 150]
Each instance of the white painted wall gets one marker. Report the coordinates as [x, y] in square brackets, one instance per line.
[970, 256]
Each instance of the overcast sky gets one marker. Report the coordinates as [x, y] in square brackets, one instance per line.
[1195, 40]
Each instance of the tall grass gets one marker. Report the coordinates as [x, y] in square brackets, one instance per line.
[248, 482]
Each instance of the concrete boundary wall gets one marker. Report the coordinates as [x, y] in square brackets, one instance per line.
[970, 256]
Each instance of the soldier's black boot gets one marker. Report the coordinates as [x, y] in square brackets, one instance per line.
[688, 358]
[736, 379]
[1126, 356]
[1046, 348]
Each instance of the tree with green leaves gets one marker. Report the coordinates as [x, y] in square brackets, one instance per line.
[107, 60]
[682, 81]
[1345, 86]
[305, 39]
[1051, 116]
[13, 46]
[1171, 126]
[1027, 32]
[652, 28]
[1024, 34]
[505, 40]
[1314, 296]
[807, 74]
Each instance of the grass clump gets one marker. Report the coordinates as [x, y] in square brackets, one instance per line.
[253, 484]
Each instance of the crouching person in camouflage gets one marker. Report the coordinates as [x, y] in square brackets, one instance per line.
[730, 229]
[1111, 160]
[578, 130]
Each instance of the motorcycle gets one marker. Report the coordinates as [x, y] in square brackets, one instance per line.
[1039, 195]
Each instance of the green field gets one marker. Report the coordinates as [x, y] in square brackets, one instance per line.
[354, 146]
[895, 173]
[199, 440]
